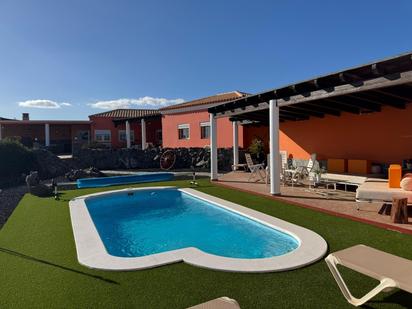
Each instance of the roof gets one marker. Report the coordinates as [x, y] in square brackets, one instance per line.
[28, 122]
[127, 113]
[1, 118]
[217, 98]
[364, 88]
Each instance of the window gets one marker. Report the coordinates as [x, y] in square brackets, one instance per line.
[122, 135]
[102, 136]
[184, 131]
[204, 130]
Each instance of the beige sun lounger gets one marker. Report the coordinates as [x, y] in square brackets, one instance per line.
[380, 191]
[218, 303]
[392, 271]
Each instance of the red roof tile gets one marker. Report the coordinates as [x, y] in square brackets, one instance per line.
[127, 113]
[217, 98]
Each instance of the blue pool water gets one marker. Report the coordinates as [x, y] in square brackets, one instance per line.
[119, 180]
[154, 221]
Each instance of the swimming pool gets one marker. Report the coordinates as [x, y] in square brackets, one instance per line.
[121, 180]
[148, 227]
[154, 221]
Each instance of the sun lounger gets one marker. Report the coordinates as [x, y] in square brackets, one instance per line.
[392, 271]
[379, 191]
[218, 303]
[346, 180]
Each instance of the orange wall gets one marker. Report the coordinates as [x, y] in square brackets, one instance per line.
[251, 132]
[383, 137]
[106, 123]
[170, 131]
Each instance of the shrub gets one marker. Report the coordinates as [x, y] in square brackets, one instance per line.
[15, 159]
[95, 145]
[257, 149]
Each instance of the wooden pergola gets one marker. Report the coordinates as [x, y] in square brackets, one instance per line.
[359, 90]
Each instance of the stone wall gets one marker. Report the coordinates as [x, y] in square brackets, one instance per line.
[150, 158]
[48, 164]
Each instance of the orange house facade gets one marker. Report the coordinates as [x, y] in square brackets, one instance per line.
[109, 128]
[187, 124]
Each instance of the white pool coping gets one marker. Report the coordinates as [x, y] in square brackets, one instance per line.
[92, 253]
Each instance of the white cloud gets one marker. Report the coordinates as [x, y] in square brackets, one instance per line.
[43, 104]
[143, 102]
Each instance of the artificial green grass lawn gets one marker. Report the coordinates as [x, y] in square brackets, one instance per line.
[38, 265]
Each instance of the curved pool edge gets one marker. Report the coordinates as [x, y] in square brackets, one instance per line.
[92, 253]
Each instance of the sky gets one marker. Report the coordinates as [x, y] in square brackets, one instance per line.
[70, 59]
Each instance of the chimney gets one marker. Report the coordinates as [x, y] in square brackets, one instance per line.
[26, 116]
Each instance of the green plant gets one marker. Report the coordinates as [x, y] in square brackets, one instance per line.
[13, 139]
[257, 147]
[15, 159]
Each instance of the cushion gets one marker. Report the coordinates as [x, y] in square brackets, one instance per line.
[406, 183]
[379, 191]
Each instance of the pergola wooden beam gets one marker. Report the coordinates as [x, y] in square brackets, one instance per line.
[293, 113]
[286, 116]
[339, 106]
[353, 101]
[304, 111]
[393, 95]
[369, 97]
[317, 107]
[356, 90]
[373, 84]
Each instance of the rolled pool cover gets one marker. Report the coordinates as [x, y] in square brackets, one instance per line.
[120, 180]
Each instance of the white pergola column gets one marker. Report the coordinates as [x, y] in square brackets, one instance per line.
[235, 145]
[47, 135]
[213, 148]
[128, 141]
[274, 147]
[143, 129]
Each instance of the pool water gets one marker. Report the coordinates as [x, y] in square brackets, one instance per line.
[158, 220]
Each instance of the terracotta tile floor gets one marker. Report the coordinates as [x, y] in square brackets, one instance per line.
[338, 201]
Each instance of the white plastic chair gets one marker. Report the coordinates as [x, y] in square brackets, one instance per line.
[255, 169]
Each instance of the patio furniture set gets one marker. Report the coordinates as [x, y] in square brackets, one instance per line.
[367, 189]
[290, 175]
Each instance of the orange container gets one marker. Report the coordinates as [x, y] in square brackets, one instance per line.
[337, 166]
[395, 175]
[359, 167]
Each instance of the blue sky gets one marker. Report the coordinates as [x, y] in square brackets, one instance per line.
[80, 57]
